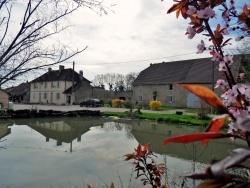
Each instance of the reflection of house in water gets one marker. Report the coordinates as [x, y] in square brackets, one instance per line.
[64, 130]
[145, 132]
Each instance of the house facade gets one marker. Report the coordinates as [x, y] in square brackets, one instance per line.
[158, 81]
[59, 87]
[4, 99]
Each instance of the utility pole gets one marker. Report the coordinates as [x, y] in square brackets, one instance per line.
[72, 82]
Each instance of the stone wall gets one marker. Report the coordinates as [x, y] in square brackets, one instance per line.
[178, 94]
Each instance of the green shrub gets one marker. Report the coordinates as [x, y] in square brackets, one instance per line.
[102, 102]
[117, 103]
[155, 105]
[128, 105]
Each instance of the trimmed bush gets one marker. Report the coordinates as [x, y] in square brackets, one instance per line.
[117, 103]
[155, 105]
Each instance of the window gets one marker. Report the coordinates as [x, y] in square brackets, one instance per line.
[35, 85]
[34, 96]
[58, 84]
[170, 87]
[45, 85]
[140, 98]
[58, 96]
[52, 85]
[45, 95]
[170, 99]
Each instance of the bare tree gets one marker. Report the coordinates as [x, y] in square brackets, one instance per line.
[28, 44]
[110, 80]
[129, 79]
[99, 80]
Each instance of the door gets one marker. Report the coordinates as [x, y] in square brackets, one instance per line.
[68, 100]
[51, 97]
[193, 101]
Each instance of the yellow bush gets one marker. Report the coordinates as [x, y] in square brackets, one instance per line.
[116, 103]
[155, 105]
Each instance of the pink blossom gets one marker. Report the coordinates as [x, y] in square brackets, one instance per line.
[224, 31]
[222, 66]
[206, 13]
[201, 47]
[241, 75]
[245, 90]
[191, 32]
[229, 96]
[221, 83]
[228, 59]
[232, 127]
[216, 57]
[191, 10]
[225, 15]
[239, 38]
[232, 94]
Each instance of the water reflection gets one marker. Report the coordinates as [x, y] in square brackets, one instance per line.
[96, 145]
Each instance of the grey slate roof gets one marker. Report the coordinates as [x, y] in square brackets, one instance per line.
[75, 88]
[19, 90]
[195, 71]
[57, 75]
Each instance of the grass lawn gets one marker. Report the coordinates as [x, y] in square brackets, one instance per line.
[173, 118]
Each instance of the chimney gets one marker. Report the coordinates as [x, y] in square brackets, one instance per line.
[61, 67]
[81, 75]
[50, 69]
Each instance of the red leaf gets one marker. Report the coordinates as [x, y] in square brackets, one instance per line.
[196, 137]
[245, 10]
[206, 95]
[215, 125]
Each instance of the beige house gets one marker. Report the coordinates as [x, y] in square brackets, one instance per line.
[55, 87]
[4, 99]
[157, 82]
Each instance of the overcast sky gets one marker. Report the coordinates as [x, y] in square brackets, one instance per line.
[134, 34]
[136, 30]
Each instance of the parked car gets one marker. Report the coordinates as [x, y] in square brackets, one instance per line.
[90, 102]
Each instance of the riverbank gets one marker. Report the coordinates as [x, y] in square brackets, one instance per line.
[159, 116]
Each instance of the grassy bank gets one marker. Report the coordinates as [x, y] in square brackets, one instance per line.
[173, 118]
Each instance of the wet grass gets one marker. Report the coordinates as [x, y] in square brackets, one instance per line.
[173, 118]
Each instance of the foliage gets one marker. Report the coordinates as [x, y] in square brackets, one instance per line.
[128, 105]
[117, 103]
[235, 103]
[203, 111]
[155, 105]
[235, 98]
[145, 166]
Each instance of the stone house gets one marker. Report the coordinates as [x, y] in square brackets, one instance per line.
[63, 86]
[157, 82]
[20, 93]
[4, 99]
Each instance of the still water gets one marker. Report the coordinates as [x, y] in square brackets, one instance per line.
[74, 152]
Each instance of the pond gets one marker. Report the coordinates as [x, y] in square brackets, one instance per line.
[74, 152]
